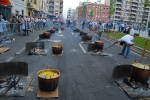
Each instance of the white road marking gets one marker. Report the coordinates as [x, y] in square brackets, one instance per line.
[72, 33]
[82, 48]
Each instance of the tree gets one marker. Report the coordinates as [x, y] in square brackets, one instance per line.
[91, 13]
[112, 8]
[84, 8]
[146, 4]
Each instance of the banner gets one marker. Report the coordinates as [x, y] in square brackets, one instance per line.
[4, 2]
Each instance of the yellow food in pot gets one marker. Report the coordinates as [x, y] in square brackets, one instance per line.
[142, 66]
[48, 74]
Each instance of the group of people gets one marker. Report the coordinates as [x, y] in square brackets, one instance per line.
[17, 23]
[126, 41]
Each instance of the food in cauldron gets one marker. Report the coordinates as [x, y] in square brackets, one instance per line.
[57, 49]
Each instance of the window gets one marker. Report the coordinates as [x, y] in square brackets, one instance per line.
[17, 12]
[22, 12]
[29, 13]
[34, 1]
[56, 4]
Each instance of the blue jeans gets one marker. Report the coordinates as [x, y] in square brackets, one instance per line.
[124, 49]
[82, 27]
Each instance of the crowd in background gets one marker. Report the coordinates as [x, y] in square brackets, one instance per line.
[114, 26]
[18, 23]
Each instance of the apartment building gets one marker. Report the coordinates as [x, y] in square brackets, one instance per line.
[70, 14]
[101, 12]
[129, 11]
[18, 7]
[55, 7]
[44, 8]
[32, 8]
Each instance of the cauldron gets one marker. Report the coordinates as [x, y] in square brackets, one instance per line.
[46, 34]
[57, 49]
[99, 45]
[88, 37]
[52, 30]
[48, 79]
[82, 33]
[56, 29]
[62, 28]
[140, 72]
[78, 30]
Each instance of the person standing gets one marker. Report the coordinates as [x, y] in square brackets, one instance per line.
[127, 42]
[83, 23]
[4, 24]
[100, 30]
[1, 28]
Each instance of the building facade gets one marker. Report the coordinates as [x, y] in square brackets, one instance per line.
[101, 12]
[32, 8]
[44, 8]
[18, 7]
[55, 7]
[107, 2]
[70, 14]
[129, 11]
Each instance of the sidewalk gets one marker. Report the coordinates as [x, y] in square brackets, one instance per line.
[18, 45]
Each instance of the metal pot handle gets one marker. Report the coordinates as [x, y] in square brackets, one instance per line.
[49, 67]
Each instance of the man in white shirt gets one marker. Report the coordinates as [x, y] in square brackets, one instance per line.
[127, 41]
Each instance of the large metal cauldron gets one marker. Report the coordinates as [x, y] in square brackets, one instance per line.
[140, 72]
[78, 30]
[48, 79]
[82, 33]
[57, 49]
[88, 37]
[99, 45]
[46, 34]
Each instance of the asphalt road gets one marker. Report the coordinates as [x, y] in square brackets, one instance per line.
[83, 76]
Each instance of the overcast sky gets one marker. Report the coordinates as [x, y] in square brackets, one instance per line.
[73, 4]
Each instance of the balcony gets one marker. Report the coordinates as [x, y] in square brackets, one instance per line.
[61, 11]
[136, 1]
[118, 2]
[51, 5]
[30, 6]
[61, 1]
[133, 12]
[51, 1]
[51, 9]
[135, 5]
[61, 6]
[134, 9]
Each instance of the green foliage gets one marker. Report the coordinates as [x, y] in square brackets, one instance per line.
[91, 13]
[112, 8]
[84, 6]
[146, 4]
